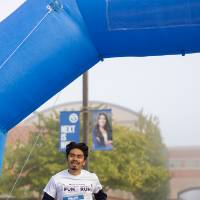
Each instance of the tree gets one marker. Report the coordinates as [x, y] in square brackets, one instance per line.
[129, 166]
[149, 126]
[45, 159]
[133, 165]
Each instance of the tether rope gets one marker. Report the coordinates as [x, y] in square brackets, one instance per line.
[25, 163]
[29, 155]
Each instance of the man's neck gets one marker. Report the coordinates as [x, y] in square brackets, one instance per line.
[74, 172]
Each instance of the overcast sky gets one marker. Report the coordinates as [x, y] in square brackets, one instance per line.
[166, 86]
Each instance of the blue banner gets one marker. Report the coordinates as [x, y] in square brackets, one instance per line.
[69, 128]
[102, 129]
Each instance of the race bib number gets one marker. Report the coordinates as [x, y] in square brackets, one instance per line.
[79, 197]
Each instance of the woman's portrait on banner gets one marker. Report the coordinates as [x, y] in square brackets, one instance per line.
[102, 130]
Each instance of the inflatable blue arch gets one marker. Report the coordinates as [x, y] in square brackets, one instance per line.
[45, 45]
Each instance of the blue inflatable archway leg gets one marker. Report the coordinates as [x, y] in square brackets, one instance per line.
[3, 136]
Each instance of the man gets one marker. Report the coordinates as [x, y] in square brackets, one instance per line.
[74, 183]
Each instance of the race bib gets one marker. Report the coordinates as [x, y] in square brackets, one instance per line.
[79, 197]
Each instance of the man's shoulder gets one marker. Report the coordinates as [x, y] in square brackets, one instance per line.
[60, 174]
[88, 174]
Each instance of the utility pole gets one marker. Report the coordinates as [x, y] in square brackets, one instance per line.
[85, 111]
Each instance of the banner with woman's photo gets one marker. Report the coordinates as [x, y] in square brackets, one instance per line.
[102, 129]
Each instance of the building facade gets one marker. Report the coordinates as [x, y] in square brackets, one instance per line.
[184, 166]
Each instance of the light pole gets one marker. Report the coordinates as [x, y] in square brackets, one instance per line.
[85, 111]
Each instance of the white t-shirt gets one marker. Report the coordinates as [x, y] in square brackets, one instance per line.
[64, 186]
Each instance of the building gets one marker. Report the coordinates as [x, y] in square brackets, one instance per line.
[120, 115]
[184, 166]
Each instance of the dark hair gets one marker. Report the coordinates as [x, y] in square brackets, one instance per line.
[107, 126]
[82, 146]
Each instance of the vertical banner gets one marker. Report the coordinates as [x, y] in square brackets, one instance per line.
[69, 128]
[102, 129]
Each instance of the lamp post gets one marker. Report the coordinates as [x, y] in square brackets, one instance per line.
[85, 111]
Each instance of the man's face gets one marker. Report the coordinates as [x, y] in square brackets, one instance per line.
[76, 160]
